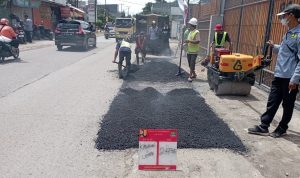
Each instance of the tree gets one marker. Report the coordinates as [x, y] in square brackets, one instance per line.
[101, 19]
[160, 1]
[147, 8]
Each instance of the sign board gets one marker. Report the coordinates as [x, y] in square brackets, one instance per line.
[91, 11]
[157, 149]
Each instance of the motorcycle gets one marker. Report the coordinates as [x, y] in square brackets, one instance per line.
[20, 33]
[9, 50]
[106, 33]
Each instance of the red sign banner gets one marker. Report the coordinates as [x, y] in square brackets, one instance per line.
[157, 149]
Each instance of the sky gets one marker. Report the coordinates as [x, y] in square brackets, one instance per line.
[135, 6]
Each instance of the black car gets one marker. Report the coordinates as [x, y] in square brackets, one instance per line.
[74, 33]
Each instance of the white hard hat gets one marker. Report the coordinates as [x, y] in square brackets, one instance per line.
[193, 21]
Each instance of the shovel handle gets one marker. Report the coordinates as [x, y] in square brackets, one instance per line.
[118, 63]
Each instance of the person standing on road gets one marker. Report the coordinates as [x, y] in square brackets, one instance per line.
[28, 28]
[287, 75]
[153, 37]
[193, 47]
[165, 37]
[123, 49]
[140, 47]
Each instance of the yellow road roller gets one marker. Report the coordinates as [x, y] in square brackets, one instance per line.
[233, 73]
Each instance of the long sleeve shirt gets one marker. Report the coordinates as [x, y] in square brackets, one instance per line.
[28, 25]
[288, 65]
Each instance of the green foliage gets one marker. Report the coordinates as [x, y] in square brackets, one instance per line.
[158, 1]
[101, 18]
[147, 8]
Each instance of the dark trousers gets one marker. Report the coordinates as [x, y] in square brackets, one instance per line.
[28, 35]
[192, 60]
[280, 93]
[125, 55]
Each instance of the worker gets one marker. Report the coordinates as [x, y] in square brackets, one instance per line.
[220, 38]
[153, 37]
[193, 47]
[140, 47]
[165, 34]
[286, 80]
[123, 49]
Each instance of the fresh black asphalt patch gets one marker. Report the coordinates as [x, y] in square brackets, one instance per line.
[181, 108]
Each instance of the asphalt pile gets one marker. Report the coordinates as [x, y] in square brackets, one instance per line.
[180, 108]
[162, 71]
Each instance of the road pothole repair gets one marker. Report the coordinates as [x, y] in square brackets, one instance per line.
[180, 108]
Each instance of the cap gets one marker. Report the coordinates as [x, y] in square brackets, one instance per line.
[292, 8]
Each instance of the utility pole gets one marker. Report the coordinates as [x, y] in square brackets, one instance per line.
[95, 12]
[121, 8]
[105, 11]
[127, 10]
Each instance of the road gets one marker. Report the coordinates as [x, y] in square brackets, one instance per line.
[66, 114]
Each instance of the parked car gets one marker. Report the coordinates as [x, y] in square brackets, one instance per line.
[74, 33]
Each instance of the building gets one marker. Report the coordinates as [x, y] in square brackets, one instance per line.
[163, 8]
[112, 9]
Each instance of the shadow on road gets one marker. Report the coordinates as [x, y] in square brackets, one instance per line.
[180, 108]
[293, 136]
[11, 60]
[76, 49]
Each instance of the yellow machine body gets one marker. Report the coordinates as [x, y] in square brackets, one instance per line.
[236, 63]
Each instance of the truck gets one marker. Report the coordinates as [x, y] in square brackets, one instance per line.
[143, 23]
[125, 28]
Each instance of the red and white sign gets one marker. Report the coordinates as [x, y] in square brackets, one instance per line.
[157, 149]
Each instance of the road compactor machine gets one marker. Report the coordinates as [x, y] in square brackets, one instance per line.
[233, 73]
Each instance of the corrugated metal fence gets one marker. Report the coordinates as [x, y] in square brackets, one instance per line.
[247, 23]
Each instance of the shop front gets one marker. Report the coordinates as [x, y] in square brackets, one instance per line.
[42, 15]
[19, 8]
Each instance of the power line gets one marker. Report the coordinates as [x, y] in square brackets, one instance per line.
[130, 2]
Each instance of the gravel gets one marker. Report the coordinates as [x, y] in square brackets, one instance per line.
[181, 108]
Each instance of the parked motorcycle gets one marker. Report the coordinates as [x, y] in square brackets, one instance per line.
[36, 35]
[9, 50]
[45, 33]
[20, 33]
